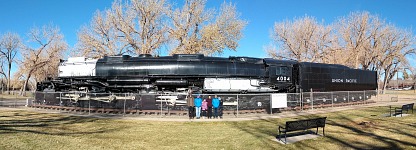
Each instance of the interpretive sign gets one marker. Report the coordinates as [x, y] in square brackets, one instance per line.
[278, 100]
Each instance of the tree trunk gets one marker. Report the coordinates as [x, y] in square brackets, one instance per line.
[9, 77]
[25, 85]
[2, 86]
[386, 76]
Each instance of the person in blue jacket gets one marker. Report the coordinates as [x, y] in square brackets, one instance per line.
[198, 103]
[215, 105]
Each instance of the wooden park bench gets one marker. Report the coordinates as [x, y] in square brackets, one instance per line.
[405, 107]
[301, 125]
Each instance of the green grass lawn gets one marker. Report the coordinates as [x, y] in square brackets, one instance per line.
[33, 130]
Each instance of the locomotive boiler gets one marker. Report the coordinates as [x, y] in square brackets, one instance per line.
[146, 74]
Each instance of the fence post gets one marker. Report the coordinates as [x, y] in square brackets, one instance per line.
[311, 97]
[237, 106]
[332, 99]
[161, 107]
[377, 95]
[137, 104]
[270, 104]
[44, 98]
[89, 105]
[60, 101]
[348, 97]
[124, 112]
[365, 102]
[15, 101]
[300, 100]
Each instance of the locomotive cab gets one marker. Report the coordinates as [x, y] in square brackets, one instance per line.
[280, 76]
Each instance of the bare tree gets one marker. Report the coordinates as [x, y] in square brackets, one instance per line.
[186, 25]
[41, 56]
[144, 26]
[303, 39]
[141, 23]
[195, 30]
[359, 37]
[396, 46]
[224, 33]
[16, 82]
[3, 79]
[138, 27]
[372, 44]
[100, 38]
[9, 45]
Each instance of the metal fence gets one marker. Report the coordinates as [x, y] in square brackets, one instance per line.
[176, 103]
[14, 98]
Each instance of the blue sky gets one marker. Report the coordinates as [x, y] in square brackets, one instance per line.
[20, 15]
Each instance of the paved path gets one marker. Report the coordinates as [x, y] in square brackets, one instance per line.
[241, 117]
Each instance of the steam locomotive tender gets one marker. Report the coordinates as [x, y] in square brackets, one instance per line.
[183, 72]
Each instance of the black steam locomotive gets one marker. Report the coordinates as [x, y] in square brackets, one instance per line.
[147, 74]
[196, 73]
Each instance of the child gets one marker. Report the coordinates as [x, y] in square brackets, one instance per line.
[204, 108]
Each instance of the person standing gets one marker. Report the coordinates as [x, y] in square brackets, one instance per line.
[198, 103]
[209, 102]
[204, 108]
[190, 102]
[215, 105]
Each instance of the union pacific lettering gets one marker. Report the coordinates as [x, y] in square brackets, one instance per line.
[344, 80]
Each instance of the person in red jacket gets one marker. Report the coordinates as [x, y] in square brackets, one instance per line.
[209, 102]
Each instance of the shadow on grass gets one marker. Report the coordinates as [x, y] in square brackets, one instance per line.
[347, 127]
[343, 130]
[259, 129]
[37, 123]
[266, 130]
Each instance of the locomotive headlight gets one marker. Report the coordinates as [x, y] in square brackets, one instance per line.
[324, 100]
[335, 99]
